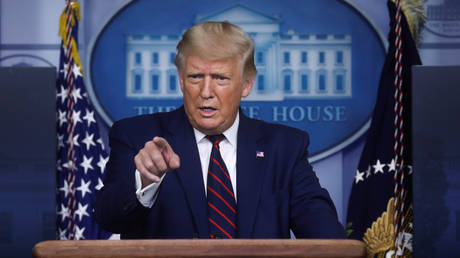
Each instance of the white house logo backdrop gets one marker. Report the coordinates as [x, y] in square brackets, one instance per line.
[443, 18]
[318, 63]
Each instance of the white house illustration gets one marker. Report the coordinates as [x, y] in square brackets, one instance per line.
[449, 11]
[289, 65]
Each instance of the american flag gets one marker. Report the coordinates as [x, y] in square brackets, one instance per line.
[81, 156]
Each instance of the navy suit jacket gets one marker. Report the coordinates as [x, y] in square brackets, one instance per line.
[275, 193]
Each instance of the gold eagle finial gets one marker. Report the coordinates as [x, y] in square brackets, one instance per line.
[380, 236]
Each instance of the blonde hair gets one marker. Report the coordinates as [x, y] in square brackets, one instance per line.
[215, 41]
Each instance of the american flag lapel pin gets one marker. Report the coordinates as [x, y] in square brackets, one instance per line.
[259, 154]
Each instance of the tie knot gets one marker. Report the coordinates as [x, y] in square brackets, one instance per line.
[215, 139]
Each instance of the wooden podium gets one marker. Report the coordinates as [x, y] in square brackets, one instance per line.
[201, 248]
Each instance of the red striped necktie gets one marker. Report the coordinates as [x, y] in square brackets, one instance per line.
[221, 198]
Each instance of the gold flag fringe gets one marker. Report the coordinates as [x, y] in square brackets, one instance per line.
[414, 11]
[75, 14]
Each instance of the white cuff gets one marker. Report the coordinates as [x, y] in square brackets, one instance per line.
[148, 194]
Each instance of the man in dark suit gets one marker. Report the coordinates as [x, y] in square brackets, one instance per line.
[206, 170]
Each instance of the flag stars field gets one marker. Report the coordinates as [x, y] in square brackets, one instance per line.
[88, 141]
[76, 71]
[84, 188]
[378, 167]
[66, 188]
[75, 140]
[79, 233]
[368, 172]
[102, 162]
[60, 140]
[62, 234]
[62, 117]
[89, 117]
[392, 165]
[64, 69]
[64, 212]
[99, 184]
[359, 176]
[62, 94]
[81, 211]
[76, 95]
[76, 117]
[86, 164]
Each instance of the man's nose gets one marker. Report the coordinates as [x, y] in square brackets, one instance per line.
[207, 88]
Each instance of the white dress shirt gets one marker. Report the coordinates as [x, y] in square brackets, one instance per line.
[148, 194]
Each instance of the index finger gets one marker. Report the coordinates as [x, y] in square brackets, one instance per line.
[166, 149]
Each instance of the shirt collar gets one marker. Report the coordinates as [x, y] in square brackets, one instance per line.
[230, 134]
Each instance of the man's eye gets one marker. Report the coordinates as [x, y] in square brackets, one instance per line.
[222, 79]
[194, 77]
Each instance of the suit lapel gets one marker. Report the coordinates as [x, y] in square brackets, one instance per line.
[182, 140]
[250, 171]
[249, 168]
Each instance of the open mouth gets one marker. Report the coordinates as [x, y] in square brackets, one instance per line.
[207, 110]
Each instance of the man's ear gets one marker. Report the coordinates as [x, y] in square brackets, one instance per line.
[247, 86]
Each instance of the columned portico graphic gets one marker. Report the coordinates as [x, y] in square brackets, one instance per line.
[290, 65]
